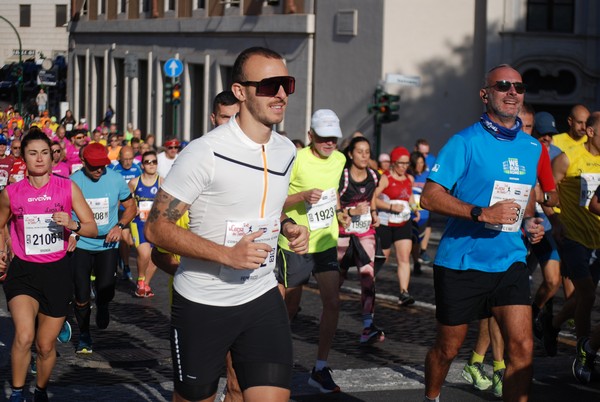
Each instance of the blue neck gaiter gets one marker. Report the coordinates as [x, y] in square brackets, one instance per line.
[500, 132]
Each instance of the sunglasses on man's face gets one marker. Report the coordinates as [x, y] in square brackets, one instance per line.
[504, 86]
[270, 86]
[150, 162]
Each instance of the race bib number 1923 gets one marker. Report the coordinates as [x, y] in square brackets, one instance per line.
[321, 214]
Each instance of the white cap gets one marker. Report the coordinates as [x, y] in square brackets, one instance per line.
[325, 123]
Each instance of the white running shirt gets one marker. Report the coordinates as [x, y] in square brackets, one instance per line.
[222, 177]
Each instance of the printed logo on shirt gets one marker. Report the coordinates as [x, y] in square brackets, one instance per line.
[40, 198]
[511, 166]
[436, 167]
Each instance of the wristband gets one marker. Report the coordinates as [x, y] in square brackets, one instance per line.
[120, 225]
[78, 228]
[286, 220]
[75, 235]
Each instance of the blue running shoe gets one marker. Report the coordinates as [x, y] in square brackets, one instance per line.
[85, 344]
[64, 335]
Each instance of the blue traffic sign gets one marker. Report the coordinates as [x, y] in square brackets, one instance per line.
[173, 68]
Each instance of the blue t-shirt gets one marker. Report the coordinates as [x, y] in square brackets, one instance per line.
[469, 166]
[104, 197]
[134, 171]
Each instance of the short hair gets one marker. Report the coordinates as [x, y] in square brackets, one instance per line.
[238, 66]
[225, 98]
[135, 140]
[527, 108]
[148, 153]
[421, 141]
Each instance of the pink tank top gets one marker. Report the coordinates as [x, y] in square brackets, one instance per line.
[35, 236]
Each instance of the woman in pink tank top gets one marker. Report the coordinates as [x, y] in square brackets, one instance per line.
[38, 284]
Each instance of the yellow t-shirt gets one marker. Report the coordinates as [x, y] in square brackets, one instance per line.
[564, 141]
[311, 172]
[575, 190]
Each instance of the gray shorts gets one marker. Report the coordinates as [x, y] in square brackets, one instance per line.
[294, 270]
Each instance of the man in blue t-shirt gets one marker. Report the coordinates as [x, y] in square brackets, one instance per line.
[483, 179]
[104, 190]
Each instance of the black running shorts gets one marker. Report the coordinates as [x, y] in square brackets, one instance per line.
[465, 296]
[388, 235]
[257, 333]
[294, 270]
[50, 284]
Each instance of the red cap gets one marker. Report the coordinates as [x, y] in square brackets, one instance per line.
[398, 152]
[172, 143]
[95, 154]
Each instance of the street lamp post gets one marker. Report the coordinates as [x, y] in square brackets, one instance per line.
[20, 79]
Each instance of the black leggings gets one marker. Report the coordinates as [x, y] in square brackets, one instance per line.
[104, 265]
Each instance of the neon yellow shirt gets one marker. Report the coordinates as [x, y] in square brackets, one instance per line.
[582, 225]
[564, 141]
[310, 172]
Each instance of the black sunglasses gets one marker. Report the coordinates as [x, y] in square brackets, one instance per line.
[150, 162]
[270, 86]
[504, 86]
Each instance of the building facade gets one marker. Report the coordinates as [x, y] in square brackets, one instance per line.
[42, 28]
[433, 54]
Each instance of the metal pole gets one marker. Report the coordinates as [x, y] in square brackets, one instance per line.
[377, 133]
[174, 134]
[20, 87]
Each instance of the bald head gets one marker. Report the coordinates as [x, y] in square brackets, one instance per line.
[577, 121]
[126, 157]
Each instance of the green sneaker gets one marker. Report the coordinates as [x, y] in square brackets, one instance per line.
[497, 380]
[474, 374]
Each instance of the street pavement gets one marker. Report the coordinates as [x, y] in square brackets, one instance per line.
[132, 362]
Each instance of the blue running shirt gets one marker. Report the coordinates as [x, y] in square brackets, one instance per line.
[470, 165]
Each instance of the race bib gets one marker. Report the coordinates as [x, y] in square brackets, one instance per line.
[144, 207]
[100, 208]
[321, 214]
[42, 234]
[505, 191]
[3, 181]
[360, 223]
[69, 127]
[233, 234]
[402, 216]
[589, 184]
[19, 176]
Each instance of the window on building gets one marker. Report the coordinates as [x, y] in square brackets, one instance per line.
[25, 15]
[145, 6]
[102, 7]
[550, 15]
[61, 15]
[170, 5]
[122, 7]
[200, 4]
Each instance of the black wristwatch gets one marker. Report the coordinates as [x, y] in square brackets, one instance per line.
[546, 198]
[476, 213]
[78, 228]
[286, 220]
[120, 225]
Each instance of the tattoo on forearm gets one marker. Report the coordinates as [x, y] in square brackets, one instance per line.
[172, 213]
[165, 206]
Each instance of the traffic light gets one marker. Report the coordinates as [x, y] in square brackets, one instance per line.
[176, 94]
[390, 108]
[168, 92]
[385, 106]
